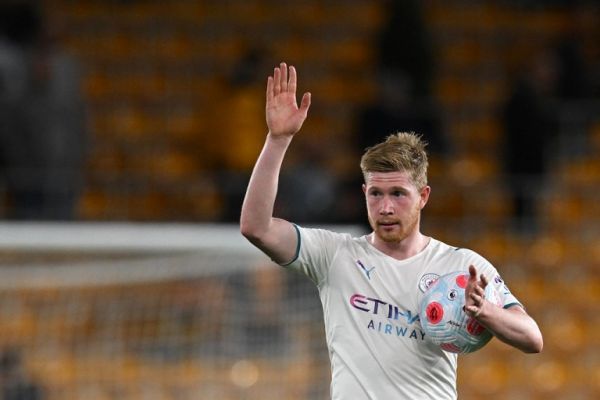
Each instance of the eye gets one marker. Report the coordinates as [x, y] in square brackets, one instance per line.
[453, 294]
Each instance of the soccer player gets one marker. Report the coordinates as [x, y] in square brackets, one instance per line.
[370, 286]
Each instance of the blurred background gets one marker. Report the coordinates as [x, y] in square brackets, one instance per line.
[145, 112]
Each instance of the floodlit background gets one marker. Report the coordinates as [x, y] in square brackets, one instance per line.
[124, 118]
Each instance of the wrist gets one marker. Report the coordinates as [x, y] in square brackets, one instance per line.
[279, 138]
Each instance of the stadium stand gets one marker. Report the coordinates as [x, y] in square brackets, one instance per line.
[154, 73]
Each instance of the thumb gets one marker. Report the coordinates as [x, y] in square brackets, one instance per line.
[305, 103]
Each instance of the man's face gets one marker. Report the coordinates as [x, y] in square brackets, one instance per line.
[394, 204]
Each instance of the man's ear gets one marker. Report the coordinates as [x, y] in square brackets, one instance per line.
[364, 188]
[424, 196]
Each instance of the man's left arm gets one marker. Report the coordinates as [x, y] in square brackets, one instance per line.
[511, 325]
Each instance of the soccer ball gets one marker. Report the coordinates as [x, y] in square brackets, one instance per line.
[445, 322]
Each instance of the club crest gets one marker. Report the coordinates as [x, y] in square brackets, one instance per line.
[427, 280]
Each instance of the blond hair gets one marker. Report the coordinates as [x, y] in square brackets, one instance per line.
[402, 151]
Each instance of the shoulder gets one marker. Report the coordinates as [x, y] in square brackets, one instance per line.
[326, 241]
[461, 255]
[439, 249]
[326, 235]
[317, 250]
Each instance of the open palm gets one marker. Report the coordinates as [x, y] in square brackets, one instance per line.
[284, 117]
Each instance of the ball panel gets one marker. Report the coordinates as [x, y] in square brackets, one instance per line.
[434, 312]
[445, 322]
[461, 280]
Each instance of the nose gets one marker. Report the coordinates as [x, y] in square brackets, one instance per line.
[387, 206]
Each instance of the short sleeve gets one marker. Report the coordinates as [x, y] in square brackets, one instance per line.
[506, 295]
[315, 252]
[491, 273]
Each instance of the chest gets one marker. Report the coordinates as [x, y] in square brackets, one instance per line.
[386, 285]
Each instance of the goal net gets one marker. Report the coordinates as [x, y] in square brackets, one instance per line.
[154, 311]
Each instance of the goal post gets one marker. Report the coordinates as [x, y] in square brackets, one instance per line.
[155, 311]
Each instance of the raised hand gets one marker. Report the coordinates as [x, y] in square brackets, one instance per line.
[475, 293]
[284, 117]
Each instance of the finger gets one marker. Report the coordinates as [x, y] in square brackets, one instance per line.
[292, 83]
[479, 291]
[473, 298]
[269, 88]
[305, 103]
[474, 311]
[276, 81]
[477, 299]
[472, 273]
[472, 270]
[484, 281]
[284, 77]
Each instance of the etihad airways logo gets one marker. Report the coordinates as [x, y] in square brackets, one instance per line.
[398, 322]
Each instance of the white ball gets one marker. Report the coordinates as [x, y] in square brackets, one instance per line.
[444, 320]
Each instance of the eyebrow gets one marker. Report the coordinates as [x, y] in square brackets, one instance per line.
[390, 189]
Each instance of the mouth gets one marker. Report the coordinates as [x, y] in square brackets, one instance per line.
[387, 224]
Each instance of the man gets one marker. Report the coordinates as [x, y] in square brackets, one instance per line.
[370, 286]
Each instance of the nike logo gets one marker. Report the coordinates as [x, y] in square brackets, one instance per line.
[365, 269]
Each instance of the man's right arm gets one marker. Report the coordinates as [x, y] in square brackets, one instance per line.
[275, 237]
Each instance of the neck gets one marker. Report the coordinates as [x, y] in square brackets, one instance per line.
[409, 246]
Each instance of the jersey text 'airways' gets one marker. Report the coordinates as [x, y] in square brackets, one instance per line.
[392, 313]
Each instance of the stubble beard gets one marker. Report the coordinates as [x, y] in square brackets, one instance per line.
[403, 230]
